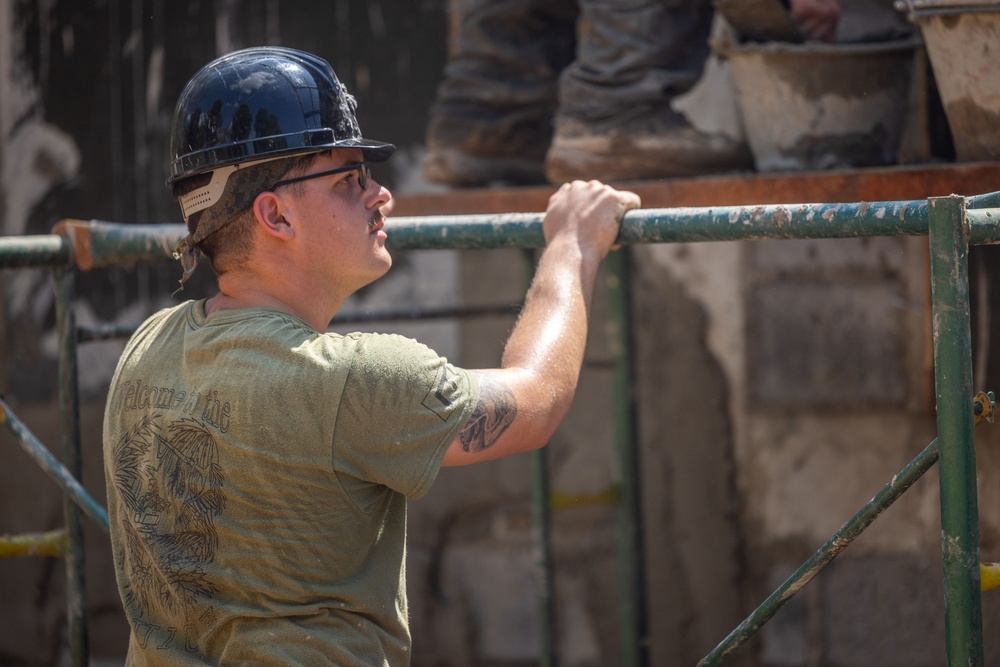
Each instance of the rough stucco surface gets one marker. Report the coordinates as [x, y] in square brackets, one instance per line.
[693, 543]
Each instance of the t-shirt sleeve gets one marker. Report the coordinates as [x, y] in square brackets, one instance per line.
[401, 407]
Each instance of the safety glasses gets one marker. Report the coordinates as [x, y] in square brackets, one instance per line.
[360, 167]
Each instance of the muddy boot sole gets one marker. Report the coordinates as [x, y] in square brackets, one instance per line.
[461, 169]
[676, 153]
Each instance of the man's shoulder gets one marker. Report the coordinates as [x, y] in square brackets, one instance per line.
[159, 319]
[386, 348]
[167, 313]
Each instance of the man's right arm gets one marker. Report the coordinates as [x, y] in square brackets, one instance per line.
[522, 402]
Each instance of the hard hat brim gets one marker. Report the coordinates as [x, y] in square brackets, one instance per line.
[273, 147]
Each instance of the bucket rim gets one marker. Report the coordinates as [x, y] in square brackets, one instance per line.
[729, 48]
[918, 9]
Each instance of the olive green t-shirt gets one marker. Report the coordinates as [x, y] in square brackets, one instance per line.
[257, 477]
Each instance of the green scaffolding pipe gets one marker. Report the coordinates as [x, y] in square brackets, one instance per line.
[633, 624]
[987, 200]
[953, 383]
[64, 286]
[47, 462]
[830, 550]
[982, 226]
[43, 250]
[686, 225]
[103, 244]
[99, 243]
[541, 511]
[674, 225]
[542, 533]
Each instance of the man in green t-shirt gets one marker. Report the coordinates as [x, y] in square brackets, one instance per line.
[258, 467]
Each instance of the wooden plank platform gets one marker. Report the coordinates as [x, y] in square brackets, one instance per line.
[899, 183]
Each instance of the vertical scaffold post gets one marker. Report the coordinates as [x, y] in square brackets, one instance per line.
[547, 641]
[949, 251]
[631, 556]
[542, 514]
[69, 410]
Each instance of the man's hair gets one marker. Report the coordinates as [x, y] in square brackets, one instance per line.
[230, 245]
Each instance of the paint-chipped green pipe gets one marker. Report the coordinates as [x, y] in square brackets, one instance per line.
[673, 225]
[685, 225]
[64, 287]
[632, 621]
[830, 550]
[541, 512]
[987, 200]
[953, 386]
[542, 555]
[47, 462]
[43, 250]
[109, 244]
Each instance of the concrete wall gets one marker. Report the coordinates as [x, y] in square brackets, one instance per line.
[779, 384]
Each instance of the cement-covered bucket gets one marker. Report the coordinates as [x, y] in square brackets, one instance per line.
[821, 106]
[963, 45]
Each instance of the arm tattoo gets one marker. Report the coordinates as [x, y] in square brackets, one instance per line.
[495, 411]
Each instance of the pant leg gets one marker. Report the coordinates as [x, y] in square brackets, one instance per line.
[633, 55]
[499, 93]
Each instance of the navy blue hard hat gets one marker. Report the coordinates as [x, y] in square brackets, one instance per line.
[263, 103]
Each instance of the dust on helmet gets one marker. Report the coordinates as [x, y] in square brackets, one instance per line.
[259, 103]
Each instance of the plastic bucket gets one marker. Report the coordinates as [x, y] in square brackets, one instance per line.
[822, 106]
[963, 45]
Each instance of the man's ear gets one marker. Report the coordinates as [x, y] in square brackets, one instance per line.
[271, 212]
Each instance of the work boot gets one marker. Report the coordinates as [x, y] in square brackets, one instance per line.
[659, 143]
[493, 116]
[478, 149]
[615, 120]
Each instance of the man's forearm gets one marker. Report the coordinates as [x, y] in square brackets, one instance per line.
[550, 336]
[522, 402]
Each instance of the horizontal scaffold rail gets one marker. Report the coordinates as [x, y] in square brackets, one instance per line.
[96, 243]
[685, 225]
[43, 250]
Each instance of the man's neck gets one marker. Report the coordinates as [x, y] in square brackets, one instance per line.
[236, 292]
